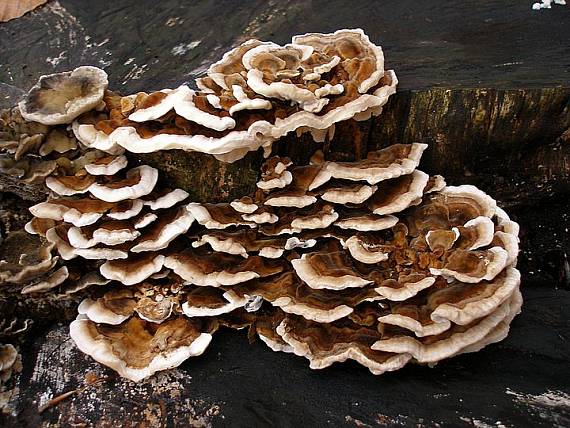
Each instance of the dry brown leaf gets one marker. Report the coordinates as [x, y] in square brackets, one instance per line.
[10, 9]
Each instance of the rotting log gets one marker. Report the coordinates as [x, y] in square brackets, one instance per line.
[511, 137]
[148, 45]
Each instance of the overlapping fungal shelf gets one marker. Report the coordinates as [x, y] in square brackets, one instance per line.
[371, 260]
[257, 93]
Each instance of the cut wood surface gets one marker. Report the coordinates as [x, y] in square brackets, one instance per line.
[486, 84]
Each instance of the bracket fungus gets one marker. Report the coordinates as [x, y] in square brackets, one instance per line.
[371, 260]
[61, 97]
[137, 348]
[255, 94]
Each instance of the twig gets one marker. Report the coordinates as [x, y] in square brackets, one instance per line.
[56, 400]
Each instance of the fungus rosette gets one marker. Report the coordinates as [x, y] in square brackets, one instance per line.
[371, 260]
[257, 93]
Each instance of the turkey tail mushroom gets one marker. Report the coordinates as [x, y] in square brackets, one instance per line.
[371, 260]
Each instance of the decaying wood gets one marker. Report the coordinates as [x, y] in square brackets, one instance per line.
[508, 141]
[485, 83]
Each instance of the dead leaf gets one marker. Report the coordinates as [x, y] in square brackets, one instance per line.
[10, 9]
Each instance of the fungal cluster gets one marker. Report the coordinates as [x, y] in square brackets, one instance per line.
[257, 93]
[371, 260]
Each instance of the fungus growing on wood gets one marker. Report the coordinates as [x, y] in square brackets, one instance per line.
[24, 257]
[255, 94]
[106, 165]
[325, 344]
[30, 152]
[61, 97]
[328, 270]
[137, 348]
[457, 303]
[366, 271]
[215, 270]
[133, 270]
[154, 300]
[293, 296]
[139, 181]
[431, 349]
[387, 273]
[370, 260]
[10, 361]
[208, 302]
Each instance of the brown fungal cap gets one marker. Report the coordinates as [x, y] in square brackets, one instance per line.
[24, 257]
[457, 303]
[106, 165]
[217, 216]
[325, 344]
[474, 266]
[164, 230]
[57, 141]
[10, 361]
[348, 194]
[264, 327]
[114, 232]
[317, 216]
[60, 98]
[391, 162]
[115, 307]
[453, 341]
[397, 194]
[274, 174]
[289, 293]
[366, 248]
[365, 61]
[404, 286]
[329, 269]
[136, 349]
[211, 269]
[244, 205]
[52, 281]
[244, 242]
[27, 170]
[207, 302]
[363, 222]
[140, 181]
[79, 212]
[133, 270]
